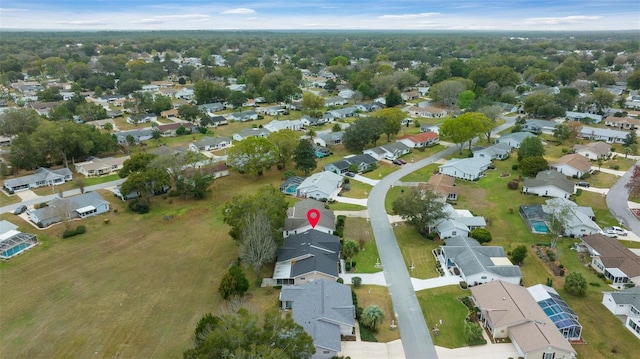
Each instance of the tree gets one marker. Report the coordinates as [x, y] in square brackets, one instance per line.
[530, 166]
[160, 103]
[463, 128]
[305, 157]
[90, 112]
[372, 316]
[391, 120]
[136, 163]
[286, 142]
[361, 132]
[575, 284]
[482, 235]
[16, 121]
[602, 99]
[633, 186]
[393, 97]
[558, 214]
[242, 336]
[129, 86]
[49, 94]
[189, 112]
[237, 99]
[252, 155]
[518, 254]
[465, 98]
[491, 111]
[633, 81]
[420, 208]
[630, 139]
[257, 245]
[349, 249]
[268, 200]
[530, 147]
[447, 92]
[561, 132]
[336, 127]
[148, 183]
[233, 283]
[311, 103]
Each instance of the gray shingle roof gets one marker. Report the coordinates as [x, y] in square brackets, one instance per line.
[550, 178]
[472, 258]
[41, 174]
[628, 296]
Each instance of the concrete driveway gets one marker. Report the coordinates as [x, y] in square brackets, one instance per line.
[26, 195]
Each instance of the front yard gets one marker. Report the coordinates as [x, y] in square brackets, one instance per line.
[444, 304]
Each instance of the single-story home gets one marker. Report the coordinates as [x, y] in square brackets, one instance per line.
[329, 139]
[593, 150]
[509, 311]
[573, 165]
[426, 112]
[243, 116]
[457, 222]
[578, 220]
[558, 311]
[326, 312]
[210, 144]
[497, 151]
[363, 163]
[307, 256]
[40, 178]
[251, 132]
[335, 101]
[320, 186]
[389, 151]
[297, 222]
[420, 140]
[138, 135]
[549, 184]
[602, 134]
[583, 116]
[213, 121]
[142, 118]
[611, 258]
[539, 126]
[172, 113]
[426, 127]
[442, 184]
[170, 129]
[470, 169]
[514, 139]
[625, 304]
[344, 112]
[275, 125]
[100, 166]
[58, 209]
[271, 110]
[210, 108]
[477, 264]
[622, 123]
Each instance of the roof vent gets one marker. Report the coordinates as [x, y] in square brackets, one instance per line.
[503, 298]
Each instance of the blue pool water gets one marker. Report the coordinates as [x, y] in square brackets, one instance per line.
[16, 250]
[540, 227]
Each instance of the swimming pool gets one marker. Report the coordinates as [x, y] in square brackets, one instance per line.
[539, 227]
[13, 251]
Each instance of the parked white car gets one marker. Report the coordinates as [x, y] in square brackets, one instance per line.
[619, 231]
[609, 232]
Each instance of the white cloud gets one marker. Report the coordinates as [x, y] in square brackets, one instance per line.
[560, 20]
[83, 22]
[9, 9]
[408, 16]
[161, 19]
[239, 11]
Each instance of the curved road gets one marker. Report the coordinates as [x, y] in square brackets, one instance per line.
[617, 198]
[416, 340]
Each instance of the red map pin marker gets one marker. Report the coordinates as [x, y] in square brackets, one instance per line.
[313, 216]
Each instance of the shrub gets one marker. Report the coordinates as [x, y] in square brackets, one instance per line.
[139, 206]
[366, 335]
[513, 184]
[173, 193]
[575, 284]
[595, 284]
[578, 192]
[481, 235]
[340, 280]
[463, 285]
[356, 281]
[347, 266]
[234, 282]
[615, 167]
[565, 150]
[514, 167]
[353, 264]
[74, 232]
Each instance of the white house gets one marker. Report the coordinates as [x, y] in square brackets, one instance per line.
[573, 165]
[609, 257]
[458, 222]
[593, 150]
[470, 169]
[389, 151]
[100, 166]
[602, 134]
[426, 112]
[142, 118]
[497, 151]
[549, 184]
[40, 178]
[250, 132]
[578, 221]
[297, 222]
[514, 139]
[319, 186]
[626, 305]
[243, 116]
[420, 140]
[275, 125]
[210, 144]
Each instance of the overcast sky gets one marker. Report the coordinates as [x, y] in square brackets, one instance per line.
[320, 14]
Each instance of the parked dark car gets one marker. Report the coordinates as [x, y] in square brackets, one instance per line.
[402, 161]
[21, 209]
[582, 184]
[396, 162]
[350, 174]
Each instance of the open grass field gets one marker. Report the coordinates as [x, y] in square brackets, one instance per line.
[133, 288]
[373, 294]
[442, 303]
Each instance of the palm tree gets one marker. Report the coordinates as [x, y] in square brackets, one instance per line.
[350, 249]
[372, 316]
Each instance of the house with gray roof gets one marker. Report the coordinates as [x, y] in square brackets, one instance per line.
[602, 134]
[344, 112]
[470, 169]
[58, 209]
[243, 116]
[100, 166]
[578, 220]
[138, 135]
[307, 256]
[326, 312]
[210, 144]
[456, 222]
[477, 264]
[297, 222]
[364, 163]
[210, 108]
[389, 151]
[40, 178]
[497, 151]
[320, 186]
[250, 132]
[539, 126]
[549, 184]
[329, 139]
[625, 304]
[277, 125]
[335, 101]
[583, 117]
[514, 139]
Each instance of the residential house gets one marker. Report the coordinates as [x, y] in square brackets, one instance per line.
[213, 121]
[578, 220]
[497, 151]
[363, 163]
[142, 118]
[573, 165]
[335, 101]
[583, 117]
[137, 136]
[593, 150]
[421, 140]
[368, 107]
[389, 151]
[40, 178]
[346, 93]
[276, 110]
[344, 112]
[426, 112]
[558, 311]
[210, 108]
[5, 141]
[325, 310]
[549, 184]
[602, 134]
[470, 169]
[622, 123]
[170, 129]
[43, 108]
[172, 113]
[625, 305]
[443, 185]
[210, 144]
[477, 264]
[100, 166]
[410, 95]
[406, 121]
[310, 121]
[243, 116]
[457, 222]
[150, 88]
[539, 126]
[509, 311]
[425, 127]
[58, 209]
[307, 256]
[329, 139]
[609, 257]
[297, 222]
[275, 125]
[514, 139]
[320, 186]
[290, 185]
[251, 132]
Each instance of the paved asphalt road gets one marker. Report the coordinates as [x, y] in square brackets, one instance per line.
[416, 340]
[617, 198]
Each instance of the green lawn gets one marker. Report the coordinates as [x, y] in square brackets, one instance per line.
[337, 206]
[382, 169]
[421, 175]
[97, 180]
[443, 303]
[6, 200]
[358, 190]
[417, 251]
[359, 230]
[392, 194]
[374, 294]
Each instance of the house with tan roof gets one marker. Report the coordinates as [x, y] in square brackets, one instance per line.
[509, 311]
[622, 123]
[615, 261]
[573, 165]
[420, 140]
[593, 150]
[100, 166]
[443, 185]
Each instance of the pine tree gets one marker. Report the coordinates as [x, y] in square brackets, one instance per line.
[305, 157]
